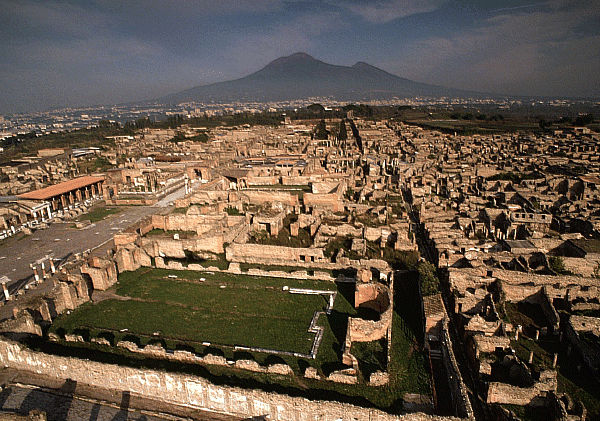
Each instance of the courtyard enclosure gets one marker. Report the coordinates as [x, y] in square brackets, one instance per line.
[264, 315]
[196, 308]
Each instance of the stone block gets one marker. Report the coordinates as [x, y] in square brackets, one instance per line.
[282, 369]
[249, 365]
[215, 360]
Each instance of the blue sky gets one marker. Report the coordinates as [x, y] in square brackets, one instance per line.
[59, 53]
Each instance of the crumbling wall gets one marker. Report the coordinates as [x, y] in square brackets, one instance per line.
[102, 272]
[462, 405]
[258, 197]
[22, 323]
[131, 257]
[488, 344]
[376, 297]
[330, 201]
[548, 308]
[504, 393]
[264, 254]
[190, 221]
[192, 391]
[372, 295]
[68, 295]
[518, 286]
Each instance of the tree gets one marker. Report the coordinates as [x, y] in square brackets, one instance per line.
[430, 284]
[316, 108]
[584, 120]
[321, 132]
[342, 134]
[557, 264]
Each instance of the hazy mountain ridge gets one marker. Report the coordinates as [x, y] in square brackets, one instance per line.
[301, 76]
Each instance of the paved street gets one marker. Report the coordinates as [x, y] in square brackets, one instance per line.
[63, 240]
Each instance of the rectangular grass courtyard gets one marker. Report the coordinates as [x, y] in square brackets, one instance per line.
[219, 308]
[225, 310]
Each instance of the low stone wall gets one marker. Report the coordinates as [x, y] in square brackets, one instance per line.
[258, 197]
[263, 254]
[191, 391]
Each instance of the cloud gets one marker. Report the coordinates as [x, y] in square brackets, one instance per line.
[253, 51]
[383, 11]
[516, 53]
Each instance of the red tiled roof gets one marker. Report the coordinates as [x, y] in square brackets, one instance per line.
[61, 188]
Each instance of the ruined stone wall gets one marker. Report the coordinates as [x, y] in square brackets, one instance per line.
[373, 296]
[360, 330]
[548, 308]
[340, 230]
[504, 393]
[489, 344]
[182, 222]
[299, 180]
[258, 197]
[262, 181]
[589, 353]
[379, 233]
[258, 253]
[579, 266]
[518, 286]
[189, 390]
[142, 201]
[462, 406]
[168, 247]
[204, 197]
[238, 230]
[124, 238]
[102, 272]
[328, 200]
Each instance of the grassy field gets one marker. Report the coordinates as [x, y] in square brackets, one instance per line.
[187, 310]
[217, 308]
[99, 212]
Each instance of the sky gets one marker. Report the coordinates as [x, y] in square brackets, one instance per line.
[71, 53]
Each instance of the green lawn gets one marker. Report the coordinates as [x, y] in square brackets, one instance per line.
[223, 309]
[98, 213]
[185, 308]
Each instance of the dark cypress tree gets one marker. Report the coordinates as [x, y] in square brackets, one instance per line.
[321, 131]
[342, 134]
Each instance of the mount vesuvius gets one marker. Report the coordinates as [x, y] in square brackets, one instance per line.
[301, 76]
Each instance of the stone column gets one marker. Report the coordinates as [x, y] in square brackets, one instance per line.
[36, 276]
[52, 268]
[5, 290]
[43, 271]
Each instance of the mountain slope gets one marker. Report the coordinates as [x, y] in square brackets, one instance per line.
[301, 76]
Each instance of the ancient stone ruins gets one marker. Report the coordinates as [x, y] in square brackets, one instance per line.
[506, 249]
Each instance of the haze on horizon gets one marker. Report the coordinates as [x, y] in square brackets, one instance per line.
[61, 53]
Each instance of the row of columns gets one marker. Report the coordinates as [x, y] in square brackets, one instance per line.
[70, 198]
[44, 273]
[40, 212]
